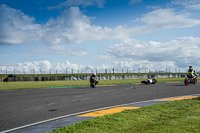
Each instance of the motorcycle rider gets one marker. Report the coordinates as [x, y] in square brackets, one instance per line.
[192, 72]
[93, 79]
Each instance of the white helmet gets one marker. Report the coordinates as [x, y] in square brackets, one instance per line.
[94, 74]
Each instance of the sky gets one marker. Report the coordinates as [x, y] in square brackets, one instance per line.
[83, 35]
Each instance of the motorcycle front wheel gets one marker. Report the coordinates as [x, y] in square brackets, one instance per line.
[195, 79]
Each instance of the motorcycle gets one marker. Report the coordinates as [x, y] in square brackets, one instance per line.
[93, 83]
[190, 79]
[149, 81]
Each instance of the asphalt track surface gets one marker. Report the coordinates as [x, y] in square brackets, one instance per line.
[22, 107]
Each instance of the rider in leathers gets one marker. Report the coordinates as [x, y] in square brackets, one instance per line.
[192, 72]
[93, 79]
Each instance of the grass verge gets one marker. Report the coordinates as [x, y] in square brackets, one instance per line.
[173, 117]
[46, 84]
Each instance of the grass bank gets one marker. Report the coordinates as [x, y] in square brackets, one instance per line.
[173, 117]
[46, 84]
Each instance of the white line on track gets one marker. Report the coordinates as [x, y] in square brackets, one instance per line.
[74, 114]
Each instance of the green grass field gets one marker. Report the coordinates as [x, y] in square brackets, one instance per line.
[171, 117]
[46, 84]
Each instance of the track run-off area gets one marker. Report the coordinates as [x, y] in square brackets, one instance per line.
[23, 107]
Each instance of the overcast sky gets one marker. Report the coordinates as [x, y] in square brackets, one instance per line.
[98, 34]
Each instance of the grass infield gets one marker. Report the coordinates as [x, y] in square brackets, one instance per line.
[171, 117]
[46, 84]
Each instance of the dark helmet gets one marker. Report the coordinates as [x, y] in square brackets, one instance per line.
[190, 67]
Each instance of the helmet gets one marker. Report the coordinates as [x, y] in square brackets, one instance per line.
[93, 74]
[190, 67]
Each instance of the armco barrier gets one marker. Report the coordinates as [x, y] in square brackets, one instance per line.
[99, 77]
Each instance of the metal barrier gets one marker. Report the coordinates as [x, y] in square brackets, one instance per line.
[99, 77]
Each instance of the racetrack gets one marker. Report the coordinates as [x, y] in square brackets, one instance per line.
[22, 107]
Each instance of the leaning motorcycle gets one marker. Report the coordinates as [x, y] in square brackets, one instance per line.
[190, 79]
[93, 83]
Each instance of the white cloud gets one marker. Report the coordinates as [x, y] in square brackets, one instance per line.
[46, 67]
[143, 65]
[162, 19]
[180, 53]
[28, 67]
[83, 3]
[148, 56]
[16, 27]
[75, 27]
[188, 4]
[71, 27]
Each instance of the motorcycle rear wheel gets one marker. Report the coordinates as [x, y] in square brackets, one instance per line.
[92, 85]
[194, 82]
